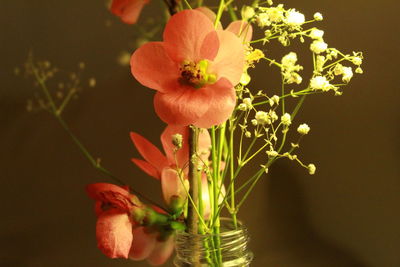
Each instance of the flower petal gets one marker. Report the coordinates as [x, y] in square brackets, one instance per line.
[184, 106]
[210, 14]
[220, 106]
[114, 233]
[96, 191]
[209, 47]
[229, 62]
[149, 152]
[172, 185]
[184, 35]
[153, 68]
[162, 251]
[182, 155]
[147, 168]
[128, 10]
[242, 29]
[142, 245]
[204, 145]
[205, 197]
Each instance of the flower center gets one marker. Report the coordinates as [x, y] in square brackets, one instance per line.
[196, 74]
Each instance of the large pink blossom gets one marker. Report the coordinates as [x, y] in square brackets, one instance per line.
[128, 10]
[172, 168]
[117, 234]
[194, 70]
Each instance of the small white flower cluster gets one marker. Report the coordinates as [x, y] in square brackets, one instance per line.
[303, 129]
[269, 15]
[318, 46]
[263, 118]
[246, 104]
[286, 119]
[321, 83]
[289, 69]
[294, 19]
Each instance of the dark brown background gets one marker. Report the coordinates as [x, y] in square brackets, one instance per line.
[345, 215]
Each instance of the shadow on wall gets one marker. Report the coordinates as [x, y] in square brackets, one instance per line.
[290, 240]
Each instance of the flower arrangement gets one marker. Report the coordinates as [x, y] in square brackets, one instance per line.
[217, 124]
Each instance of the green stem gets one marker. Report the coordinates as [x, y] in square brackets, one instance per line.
[192, 220]
[232, 182]
[219, 13]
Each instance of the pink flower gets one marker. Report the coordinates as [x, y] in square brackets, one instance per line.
[128, 10]
[172, 168]
[117, 234]
[194, 70]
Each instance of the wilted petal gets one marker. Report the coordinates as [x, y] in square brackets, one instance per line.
[184, 35]
[230, 59]
[162, 251]
[242, 29]
[142, 245]
[153, 68]
[128, 10]
[147, 168]
[182, 107]
[114, 233]
[149, 152]
[220, 106]
[109, 193]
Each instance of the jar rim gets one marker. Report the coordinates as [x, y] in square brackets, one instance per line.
[226, 223]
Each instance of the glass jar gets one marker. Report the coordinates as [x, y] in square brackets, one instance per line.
[226, 249]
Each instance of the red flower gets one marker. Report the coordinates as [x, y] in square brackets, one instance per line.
[128, 10]
[166, 167]
[117, 234]
[194, 70]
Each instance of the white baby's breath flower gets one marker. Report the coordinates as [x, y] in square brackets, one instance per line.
[316, 34]
[303, 129]
[320, 83]
[333, 53]
[318, 46]
[247, 12]
[263, 20]
[357, 61]
[338, 70]
[248, 102]
[286, 119]
[245, 79]
[272, 153]
[359, 70]
[248, 134]
[275, 14]
[177, 140]
[347, 74]
[254, 122]
[242, 107]
[289, 60]
[320, 63]
[274, 100]
[294, 18]
[262, 118]
[318, 16]
[273, 116]
[311, 168]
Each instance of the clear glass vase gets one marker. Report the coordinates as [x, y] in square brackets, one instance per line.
[226, 249]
